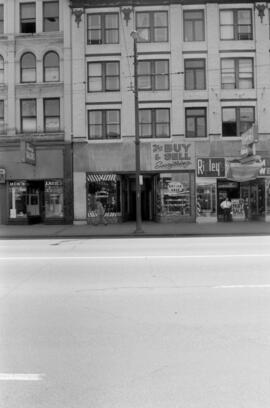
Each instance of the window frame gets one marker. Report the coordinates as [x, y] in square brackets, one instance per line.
[154, 123]
[28, 116]
[236, 25]
[238, 121]
[2, 117]
[104, 124]
[22, 69]
[46, 130]
[2, 10]
[237, 79]
[103, 76]
[2, 69]
[102, 28]
[35, 18]
[153, 75]
[194, 20]
[194, 74]
[196, 118]
[152, 27]
[44, 4]
[45, 67]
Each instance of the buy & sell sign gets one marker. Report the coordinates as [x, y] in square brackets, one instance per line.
[172, 156]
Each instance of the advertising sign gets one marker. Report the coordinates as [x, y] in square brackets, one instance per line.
[265, 170]
[214, 167]
[172, 156]
[2, 176]
[28, 152]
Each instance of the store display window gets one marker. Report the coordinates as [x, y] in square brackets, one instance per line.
[17, 200]
[104, 189]
[174, 196]
[54, 199]
[206, 199]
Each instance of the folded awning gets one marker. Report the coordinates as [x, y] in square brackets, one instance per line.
[238, 171]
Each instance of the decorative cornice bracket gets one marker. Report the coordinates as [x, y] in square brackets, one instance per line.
[78, 12]
[260, 8]
[127, 13]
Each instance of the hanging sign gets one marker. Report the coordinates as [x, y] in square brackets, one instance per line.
[28, 152]
[211, 167]
[172, 156]
[2, 176]
[265, 170]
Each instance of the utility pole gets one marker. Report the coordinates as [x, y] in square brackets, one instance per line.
[139, 229]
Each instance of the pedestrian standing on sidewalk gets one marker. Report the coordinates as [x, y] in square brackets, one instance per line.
[246, 208]
[100, 213]
[226, 206]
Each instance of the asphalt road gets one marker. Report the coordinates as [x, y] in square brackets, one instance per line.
[135, 323]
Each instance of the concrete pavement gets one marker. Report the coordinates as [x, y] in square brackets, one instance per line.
[151, 229]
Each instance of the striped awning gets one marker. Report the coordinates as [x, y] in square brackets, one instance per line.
[98, 177]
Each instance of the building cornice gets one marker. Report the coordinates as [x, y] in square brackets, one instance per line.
[123, 3]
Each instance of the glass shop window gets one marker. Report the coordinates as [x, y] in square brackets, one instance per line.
[206, 200]
[17, 199]
[54, 199]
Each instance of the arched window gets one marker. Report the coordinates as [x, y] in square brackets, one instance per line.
[51, 67]
[1, 69]
[28, 67]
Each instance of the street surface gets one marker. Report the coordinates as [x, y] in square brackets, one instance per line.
[135, 323]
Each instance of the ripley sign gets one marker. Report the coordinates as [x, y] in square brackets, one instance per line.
[214, 167]
[172, 156]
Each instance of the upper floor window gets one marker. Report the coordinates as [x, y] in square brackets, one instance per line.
[1, 69]
[103, 28]
[237, 73]
[51, 115]
[1, 18]
[28, 67]
[103, 76]
[28, 115]
[152, 26]
[104, 124]
[51, 16]
[196, 122]
[237, 120]
[154, 123]
[194, 25]
[195, 74]
[1, 116]
[28, 17]
[236, 24]
[51, 67]
[153, 75]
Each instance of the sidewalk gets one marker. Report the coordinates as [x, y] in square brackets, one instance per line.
[151, 229]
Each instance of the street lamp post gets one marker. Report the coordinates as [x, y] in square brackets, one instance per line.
[139, 229]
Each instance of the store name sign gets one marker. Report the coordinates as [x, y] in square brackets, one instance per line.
[28, 152]
[265, 170]
[172, 156]
[214, 167]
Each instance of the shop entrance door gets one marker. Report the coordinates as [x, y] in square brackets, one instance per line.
[147, 198]
[35, 201]
[255, 193]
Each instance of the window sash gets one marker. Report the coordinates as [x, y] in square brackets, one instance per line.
[28, 17]
[237, 120]
[195, 122]
[154, 123]
[104, 124]
[153, 75]
[237, 73]
[105, 28]
[51, 114]
[103, 76]
[195, 74]
[233, 25]
[1, 18]
[51, 16]
[28, 115]
[152, 26]
[194, 26]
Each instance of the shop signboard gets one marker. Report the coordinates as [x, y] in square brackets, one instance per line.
[28, 152]
[172, 156]
[211, 167]
[265, 170]
[2, 176]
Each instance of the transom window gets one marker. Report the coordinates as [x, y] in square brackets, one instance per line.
[103, 28]
[154, 123]
[195, 122]
[51, 114]
[28, 67]
[195, 74]
[194, 25]
[1, 19]
[237, 73]
[28, 17]
[104, 124]
[51, 67]
[1, 69]
[237, 120]
[152, 26]
[103, 76]
[1, 117]
[236, 24]
[153, 75]
[28, 115]
[51, 16]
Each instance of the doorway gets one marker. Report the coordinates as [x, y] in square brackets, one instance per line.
[147, 198]
[35, 201]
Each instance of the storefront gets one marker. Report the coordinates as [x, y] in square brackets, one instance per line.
[35, 201]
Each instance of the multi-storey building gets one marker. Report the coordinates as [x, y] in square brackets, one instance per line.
[35, 112]
[203, 80]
